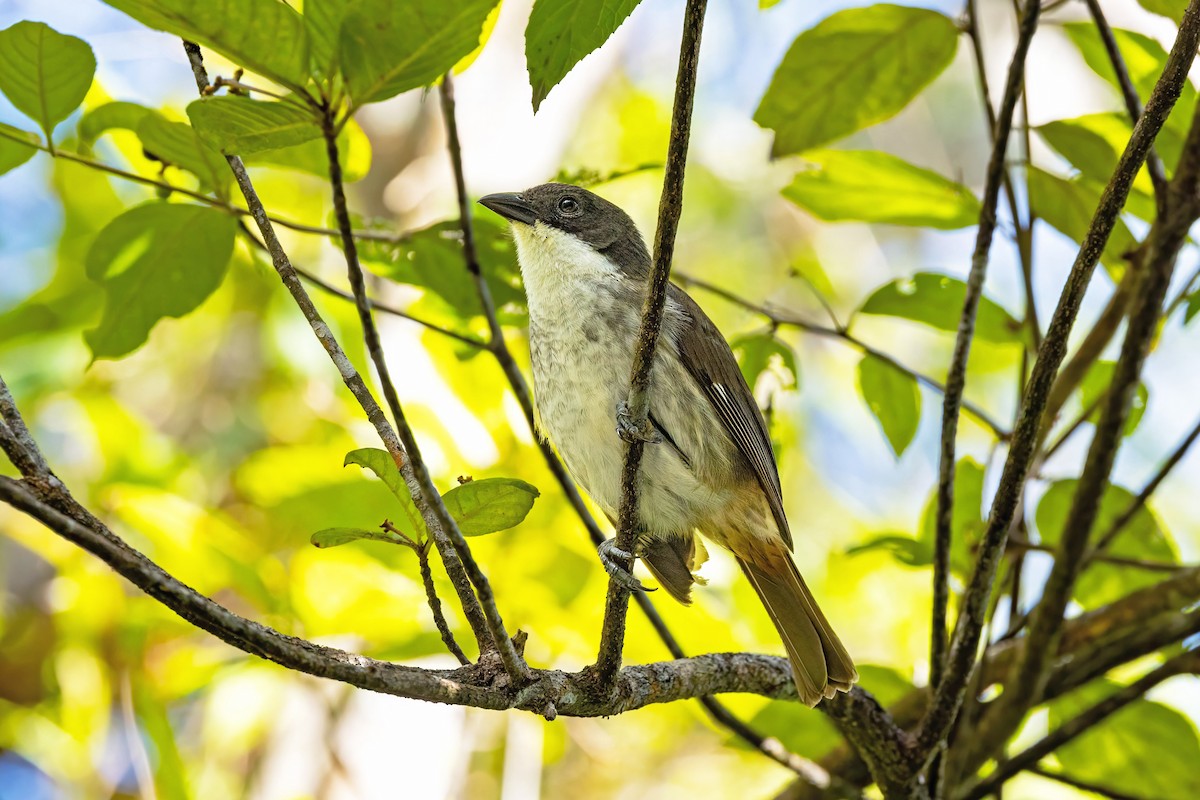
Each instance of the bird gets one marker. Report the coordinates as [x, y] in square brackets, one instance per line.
[709, 466]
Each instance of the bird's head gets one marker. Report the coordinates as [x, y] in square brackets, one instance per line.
[559, 226]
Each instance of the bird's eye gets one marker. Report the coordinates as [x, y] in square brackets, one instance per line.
[568, 205]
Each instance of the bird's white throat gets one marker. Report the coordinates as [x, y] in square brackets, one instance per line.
[559, 269]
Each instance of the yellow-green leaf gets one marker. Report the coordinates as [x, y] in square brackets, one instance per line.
[937, 300]
[16, 147]
[894, 399]
[870, 186]
[560, 34]
[43, 72]
[490, 505]
[240, 125]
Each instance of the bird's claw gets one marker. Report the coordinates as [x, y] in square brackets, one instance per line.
[631, 432]
[614, 559]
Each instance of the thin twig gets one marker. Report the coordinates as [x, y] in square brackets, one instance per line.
[346, 369]
[670, 205]
[1123, 561]
[1139, 502]
[949, 695]
[445, 532]
[781, 318]
[1087, 786]
[956, 375]
[1181, 664]
[421, 549]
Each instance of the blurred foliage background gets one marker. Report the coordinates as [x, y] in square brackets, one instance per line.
[216, 447]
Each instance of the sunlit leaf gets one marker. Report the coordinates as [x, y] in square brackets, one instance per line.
[240, 125]
[118, 115]
[1094, 388]
[1068, 206]
[1167, 8]
[490, 505]
[44, 73]
[757, 352]
[870, 186]
[388, 48]
[264, 36]
[831, 84]
[967, 522]
[1146, 749]
[333, 537]
[13, 148]
[323, 19]
[1142, 538]
[384, 466]
[894, 399]
[937, 300]
[1192, 308]
[560, 34]
[903, 547]
[156, 260]
[354, 153]
[176, 143]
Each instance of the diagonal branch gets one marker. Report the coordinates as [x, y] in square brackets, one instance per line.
[350, 375]
[669, 207]
[951, 692]
[956, 376]
[1184, 663]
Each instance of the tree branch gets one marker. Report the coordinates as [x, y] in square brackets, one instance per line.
[1161, 248]
[669, 208]
[1183, 663]
[1139, 502]
[1076, 783]
[951, 692]
[956, 376]
[1133, 103]
[443, 528]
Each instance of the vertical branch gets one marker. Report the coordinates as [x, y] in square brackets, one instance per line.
[951, 691]
[669, 208]
[957, 376]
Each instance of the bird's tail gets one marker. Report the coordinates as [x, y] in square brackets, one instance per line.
[820, 663]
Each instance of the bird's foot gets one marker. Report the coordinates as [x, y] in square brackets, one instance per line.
[614, 559]
[630, 431]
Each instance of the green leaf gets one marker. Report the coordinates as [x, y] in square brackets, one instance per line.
[1145, 59]
[389, 47]
[264, 36]
[323, 19]
[894, 399]
[490, 505]
[354, 152]
[239, 125]
[855, 68]
[1167, 8]
[384, 466]
[1095, 386]
[902, 547]
[1093, 144]
[1068, 207]
[117, 115]
[871, 186]
[432, 258]
[560, 34]
[333, 537]
[1146, 749]
[156, 260]
[176, 143]
[1142, 538]
[967, 521]
[13, 148]
[757, 352]
[937, 300]
[44, 73]
[1192, 308]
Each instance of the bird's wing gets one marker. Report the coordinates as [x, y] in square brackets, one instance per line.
[711, 363]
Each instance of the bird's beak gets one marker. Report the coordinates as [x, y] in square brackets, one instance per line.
[511, 206]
